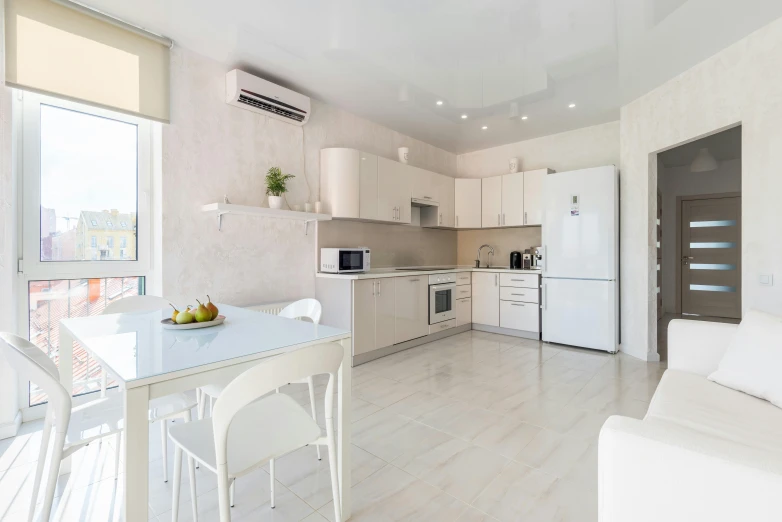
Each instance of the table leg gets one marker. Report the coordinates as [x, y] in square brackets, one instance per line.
[136, 453]
[344, 420]
[66, 377]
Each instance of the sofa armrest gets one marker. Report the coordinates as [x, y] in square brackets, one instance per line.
[652, 471]
[698, 346]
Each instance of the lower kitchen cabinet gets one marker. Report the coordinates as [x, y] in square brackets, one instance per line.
[463, 311]
[411, 305]
[373, 314]
[486, 298]
[520, 316]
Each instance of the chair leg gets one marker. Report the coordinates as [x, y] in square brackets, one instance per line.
[333, 468]
[188, 417]
[177, 483]
[54, 470]
[232, 491]
[271, 474]
[164, 446]
[311, 385]
[193, 495]
[45, 434]
[117, 451]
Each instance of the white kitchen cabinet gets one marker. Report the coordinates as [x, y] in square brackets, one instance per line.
[423, 184]
[373, 314]
[463, 311]
[467, 203]
[486, 298]
[520, 280]
[367, 186]
[463, 292]
[445, 193]
[512, 200]
[533, 195]
[463, 278]
[340, 181]
[524, 295]
[393, 190]
[520, 316]
[491, 202]
[411, 307]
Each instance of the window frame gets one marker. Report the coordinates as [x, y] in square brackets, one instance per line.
[30, 169]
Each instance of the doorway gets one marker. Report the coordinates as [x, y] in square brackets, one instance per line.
[699, 231]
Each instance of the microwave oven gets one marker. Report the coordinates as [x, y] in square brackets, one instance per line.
[344, 260]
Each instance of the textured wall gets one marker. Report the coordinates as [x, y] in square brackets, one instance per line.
[212, 149]
[392, 245]
[504, 242]
[679, 181]
[741, 84]
[577, 149]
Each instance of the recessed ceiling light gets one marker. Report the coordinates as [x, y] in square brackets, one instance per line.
[572, 105]
[439, 102]
[484, 127]
[523, 117]
[464, 116]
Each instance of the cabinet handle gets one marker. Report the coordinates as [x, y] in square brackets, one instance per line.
[519, 280]
[495, 279]
[545, 297]
[522, 295]
[457, 220]
[465, 291]
[378, 288]
[498, 219]
[517, 304]
[414, 280]
[503, 218]
[373, 287]
[525, 218]
[427, 197]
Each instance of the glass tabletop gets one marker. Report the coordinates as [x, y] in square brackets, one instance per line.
[136, 346]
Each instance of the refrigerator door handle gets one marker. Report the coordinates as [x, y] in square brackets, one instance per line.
[545, 296]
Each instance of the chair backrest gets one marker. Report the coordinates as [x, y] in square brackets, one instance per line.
[31, 363]
[269, 375]
[136, 303]
[309, 308]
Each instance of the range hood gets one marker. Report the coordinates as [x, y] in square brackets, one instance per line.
[418, 202]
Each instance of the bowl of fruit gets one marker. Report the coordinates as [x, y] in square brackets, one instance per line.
[202, 316]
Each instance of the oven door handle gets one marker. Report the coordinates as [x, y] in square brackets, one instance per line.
[447, 286]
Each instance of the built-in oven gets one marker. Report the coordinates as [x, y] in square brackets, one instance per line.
[344, 260]
[442, 297]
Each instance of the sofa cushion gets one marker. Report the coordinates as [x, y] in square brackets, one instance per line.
[753, 362]
[694, 402]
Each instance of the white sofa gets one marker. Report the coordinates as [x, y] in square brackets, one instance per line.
[702, 453]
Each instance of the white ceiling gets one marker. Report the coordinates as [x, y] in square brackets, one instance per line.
[724, 146]
[391, 60]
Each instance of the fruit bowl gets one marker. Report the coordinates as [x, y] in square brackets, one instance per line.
[168, 324]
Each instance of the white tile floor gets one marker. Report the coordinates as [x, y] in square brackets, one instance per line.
[470, 428]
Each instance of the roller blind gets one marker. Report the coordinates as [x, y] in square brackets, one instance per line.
[56, 50]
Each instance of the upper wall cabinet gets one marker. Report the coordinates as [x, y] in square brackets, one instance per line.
[533, 195]
[491, 202]
[467, 203]
[424, 184]
[441, 191]
[513, 200]
[357, 185]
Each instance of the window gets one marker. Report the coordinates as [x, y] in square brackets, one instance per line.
[123, 242]
[69, 207]
[123, 224]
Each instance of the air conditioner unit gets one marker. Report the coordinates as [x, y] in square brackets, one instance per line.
[256, 94]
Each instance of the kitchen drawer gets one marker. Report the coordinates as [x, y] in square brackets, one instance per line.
[520, 280]
[520, 316]
[463, 278]
[439, 327]
[463, 292]
[524, 295]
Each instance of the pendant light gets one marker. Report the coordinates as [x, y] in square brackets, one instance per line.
[703, 162]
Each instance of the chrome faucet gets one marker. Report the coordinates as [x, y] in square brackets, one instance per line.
[478, 260]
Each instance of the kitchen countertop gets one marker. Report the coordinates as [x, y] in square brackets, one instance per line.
[400, 272]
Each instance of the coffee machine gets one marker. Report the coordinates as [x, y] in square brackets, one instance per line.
[537, 257]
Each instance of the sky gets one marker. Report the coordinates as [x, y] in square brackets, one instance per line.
[87, 163]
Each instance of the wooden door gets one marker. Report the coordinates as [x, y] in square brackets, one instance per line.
[491, 201]
[711, 257]
[467, 203]
[363, 316]
[512, 200]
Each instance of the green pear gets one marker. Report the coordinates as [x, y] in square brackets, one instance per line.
[211, 307]
[185, 317]
[202, 313]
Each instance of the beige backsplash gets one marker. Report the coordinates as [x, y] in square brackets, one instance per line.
[504, 241]
[391, 245]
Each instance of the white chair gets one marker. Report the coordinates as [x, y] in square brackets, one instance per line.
[247, 430]
[174, 406]
[303, 308]
[74, 427]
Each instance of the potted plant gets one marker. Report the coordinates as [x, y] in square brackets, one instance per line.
[275, 186]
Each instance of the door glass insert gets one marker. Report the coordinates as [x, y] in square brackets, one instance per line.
[442, 301]
[713, 288]
[717, 244]
[712, 266]
[722, 223]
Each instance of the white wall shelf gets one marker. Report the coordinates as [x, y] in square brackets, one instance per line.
[230, 208]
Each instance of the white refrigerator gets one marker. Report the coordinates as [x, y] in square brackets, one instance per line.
[580, 236]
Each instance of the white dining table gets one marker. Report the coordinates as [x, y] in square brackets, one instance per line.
[149, 361]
